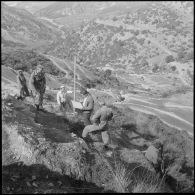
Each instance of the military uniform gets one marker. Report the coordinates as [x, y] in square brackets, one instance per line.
[22, 87]
[88, 105]
[64, 101]
[37, 85]
[100, 123]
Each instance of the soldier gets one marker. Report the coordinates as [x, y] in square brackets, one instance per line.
[100, 123]
[88, 106]
[37, 85]
[64, 101]
[21, 80]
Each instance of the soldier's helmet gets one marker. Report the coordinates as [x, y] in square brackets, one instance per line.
[62, 87]
[19, 71]
[83, 91]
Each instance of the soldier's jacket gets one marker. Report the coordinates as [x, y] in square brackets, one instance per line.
[102, 116]
[88, 104]
[21, 80]
[37, 82]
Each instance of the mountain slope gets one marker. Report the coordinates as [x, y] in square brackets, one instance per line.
[73, 14]
[144, 41]
[29, 6]
[20, 26]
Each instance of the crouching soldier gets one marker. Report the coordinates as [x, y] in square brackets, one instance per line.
[100, 123]
[37, 85]
[21, 81]
[64, 101]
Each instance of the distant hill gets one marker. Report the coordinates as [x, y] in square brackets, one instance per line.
[19, 26]
[142, 41]
[73, 14]
[31, 6]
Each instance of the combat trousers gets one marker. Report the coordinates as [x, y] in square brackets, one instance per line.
[24, 91]
[86, 118]
[92, 128]
[38, 98]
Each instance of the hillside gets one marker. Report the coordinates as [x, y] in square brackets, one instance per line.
[133, 40]
[48, 145]
[32, 6]
[74, 14]
[20, 28]
[157, 46]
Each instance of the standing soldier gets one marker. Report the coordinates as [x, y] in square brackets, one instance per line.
[21, 80]
[64, 101]
[37, 85]
[88, 106]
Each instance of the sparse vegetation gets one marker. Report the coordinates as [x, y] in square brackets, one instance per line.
[99, 44]
[27, 60]
[169, 59]
[155, 68]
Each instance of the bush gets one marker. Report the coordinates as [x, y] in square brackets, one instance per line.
[27, 61]
[173, 68]
[155, 68]
[121, 43]
[169, 59]
[115, 18]
[190, 56]
[180, 55]
[136, 32]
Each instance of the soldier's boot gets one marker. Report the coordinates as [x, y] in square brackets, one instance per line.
[37, 107]
[19, 98]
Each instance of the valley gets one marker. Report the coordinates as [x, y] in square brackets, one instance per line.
[142, 51]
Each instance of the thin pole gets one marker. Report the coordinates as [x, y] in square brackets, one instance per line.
[74, 77]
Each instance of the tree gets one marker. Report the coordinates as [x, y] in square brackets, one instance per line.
[169, 59]
[155, 68]
[136, 32]
[108, 73]
[173, 68]
[190, 55]
[114, 18]
[180, 55]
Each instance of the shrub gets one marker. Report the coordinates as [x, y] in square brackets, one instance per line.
[169, 59]
[173, 68]
[180, 55]
[155, 68]
[115, 18]
[121, 43]
[136, 32]
[190, 55]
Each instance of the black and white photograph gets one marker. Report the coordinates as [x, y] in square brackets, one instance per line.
[97, 97]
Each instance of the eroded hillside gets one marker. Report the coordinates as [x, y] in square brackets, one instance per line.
[47, 139]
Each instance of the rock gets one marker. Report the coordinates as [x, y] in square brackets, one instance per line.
[135, 156]
[73, 135]
[35, 185]
[33, 177]
[152, 154]
[50, 185]
[109, 153]
[28, 184]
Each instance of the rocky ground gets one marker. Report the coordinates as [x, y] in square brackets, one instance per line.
[40, 153]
